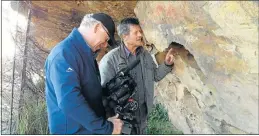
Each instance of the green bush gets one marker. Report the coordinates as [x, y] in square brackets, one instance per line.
[33, 119]
[159, 123]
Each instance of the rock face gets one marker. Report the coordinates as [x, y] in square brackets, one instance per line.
[214, 85]
[53, 20]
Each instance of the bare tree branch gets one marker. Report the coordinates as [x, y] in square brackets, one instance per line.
[38, 46]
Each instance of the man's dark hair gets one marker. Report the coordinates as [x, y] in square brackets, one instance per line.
[124, 26]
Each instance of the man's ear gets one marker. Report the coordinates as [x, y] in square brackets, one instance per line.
[124, 37]
[96, 27]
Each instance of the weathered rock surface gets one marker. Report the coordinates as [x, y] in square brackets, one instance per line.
[214, 86]
[54, 20]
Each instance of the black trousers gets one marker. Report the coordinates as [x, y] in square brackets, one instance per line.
[140, 128]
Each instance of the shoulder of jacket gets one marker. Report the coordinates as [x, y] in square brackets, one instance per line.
[61, 52]
[112, 53]
[146, 53]
[111, 57]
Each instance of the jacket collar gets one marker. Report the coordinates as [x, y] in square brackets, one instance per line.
[79, 42]
[124, 52]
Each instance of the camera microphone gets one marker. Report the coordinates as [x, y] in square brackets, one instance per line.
[131, 66]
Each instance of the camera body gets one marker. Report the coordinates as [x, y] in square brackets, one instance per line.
[122, 90]
[119, 100]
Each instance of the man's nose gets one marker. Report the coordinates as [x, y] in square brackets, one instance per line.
[140, 35]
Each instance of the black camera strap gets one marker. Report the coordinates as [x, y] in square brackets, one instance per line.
[97, 70]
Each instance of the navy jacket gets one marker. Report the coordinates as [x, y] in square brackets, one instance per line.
[73, 89]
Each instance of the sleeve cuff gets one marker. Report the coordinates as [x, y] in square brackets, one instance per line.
[169, 65]
[111, 128]
[167, 68]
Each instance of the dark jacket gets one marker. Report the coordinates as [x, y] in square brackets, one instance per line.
[73, 89]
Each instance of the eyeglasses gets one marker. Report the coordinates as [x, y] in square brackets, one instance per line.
[107, 33]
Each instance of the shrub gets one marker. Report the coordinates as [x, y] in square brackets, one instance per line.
[159, 123]
[33, 119]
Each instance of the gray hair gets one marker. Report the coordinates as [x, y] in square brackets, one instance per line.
[88, 21]
[124, 27]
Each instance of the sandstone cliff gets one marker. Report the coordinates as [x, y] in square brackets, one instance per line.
[214, 87]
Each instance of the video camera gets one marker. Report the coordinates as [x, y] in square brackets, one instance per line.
[119, 100]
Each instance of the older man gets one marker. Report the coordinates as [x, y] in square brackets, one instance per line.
[144, 74]
[73, 89]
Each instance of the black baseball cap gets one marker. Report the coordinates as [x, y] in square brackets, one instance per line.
[107, 21]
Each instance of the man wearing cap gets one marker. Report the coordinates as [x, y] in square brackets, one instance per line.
[73, 89]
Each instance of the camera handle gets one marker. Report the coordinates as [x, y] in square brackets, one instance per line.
[126, 128]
